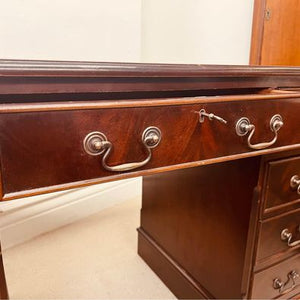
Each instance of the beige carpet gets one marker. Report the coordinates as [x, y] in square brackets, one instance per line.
[94, 258]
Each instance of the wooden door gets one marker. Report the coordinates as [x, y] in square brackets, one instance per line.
[276, 33]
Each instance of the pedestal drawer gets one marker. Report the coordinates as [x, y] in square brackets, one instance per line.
[283, 184]
[279, 234]
[279, 281]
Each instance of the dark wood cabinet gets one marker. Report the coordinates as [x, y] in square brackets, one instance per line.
[206, 225]
[219, 149]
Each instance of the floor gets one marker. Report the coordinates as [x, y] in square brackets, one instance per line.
[93, 258]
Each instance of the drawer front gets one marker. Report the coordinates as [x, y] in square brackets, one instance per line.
[279, 190]
[278, 235]
[266, 284]
[45, 148]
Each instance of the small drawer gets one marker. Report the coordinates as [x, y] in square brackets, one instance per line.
[282, 185]
[278, 235]
[279, 281]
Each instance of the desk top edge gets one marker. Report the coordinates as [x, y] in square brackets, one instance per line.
[45, 68]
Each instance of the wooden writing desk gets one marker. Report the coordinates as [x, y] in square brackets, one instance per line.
[218, 146]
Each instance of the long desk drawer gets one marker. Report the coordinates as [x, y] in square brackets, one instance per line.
[41, 149]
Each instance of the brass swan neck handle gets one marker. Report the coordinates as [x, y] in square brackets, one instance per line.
[287, 236]
[243, 127]
[281, 286]
[96, 143]
[295, 183]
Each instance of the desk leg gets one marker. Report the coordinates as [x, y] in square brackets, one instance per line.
[3, 286]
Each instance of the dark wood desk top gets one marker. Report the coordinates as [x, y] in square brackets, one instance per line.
[44, 77]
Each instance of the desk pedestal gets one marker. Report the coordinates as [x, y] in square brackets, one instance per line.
[194, 228]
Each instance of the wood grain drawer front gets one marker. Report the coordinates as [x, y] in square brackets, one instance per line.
[279, 234]
[45, 148]
[285, 274]
[279, 193]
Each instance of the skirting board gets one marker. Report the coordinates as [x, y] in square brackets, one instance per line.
[25, 219]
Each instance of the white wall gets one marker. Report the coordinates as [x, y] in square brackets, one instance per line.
[90, 30]
[178, 31]
[197, 31]
[169, 31]
[95, 30]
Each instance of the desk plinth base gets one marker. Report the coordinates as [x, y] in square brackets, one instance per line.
[180, 283]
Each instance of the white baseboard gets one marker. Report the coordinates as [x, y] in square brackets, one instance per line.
[24, 219]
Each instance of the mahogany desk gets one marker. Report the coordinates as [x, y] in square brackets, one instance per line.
[218, 146]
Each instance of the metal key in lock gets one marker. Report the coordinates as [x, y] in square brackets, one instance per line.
[210, 116]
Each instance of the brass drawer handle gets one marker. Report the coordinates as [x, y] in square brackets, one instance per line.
[96, 143]
[287, 236]
[281, 286]
[243, 126]
[295, 183]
